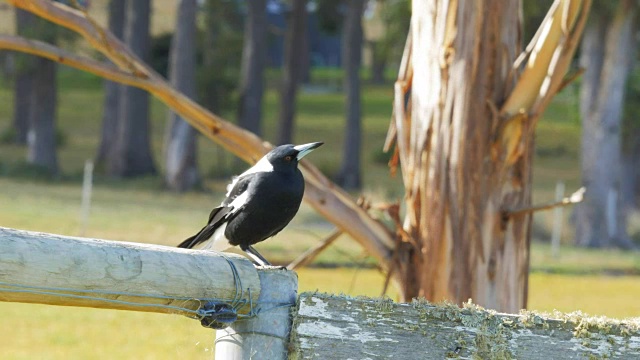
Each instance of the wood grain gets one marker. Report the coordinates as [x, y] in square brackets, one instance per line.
[332, 327]
[59, 270]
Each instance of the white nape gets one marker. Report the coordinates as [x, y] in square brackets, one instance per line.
[261, 166]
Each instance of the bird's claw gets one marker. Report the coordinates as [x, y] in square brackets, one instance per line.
[271, 267]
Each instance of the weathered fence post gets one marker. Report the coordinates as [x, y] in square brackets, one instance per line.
[265, 336]
[558, 220]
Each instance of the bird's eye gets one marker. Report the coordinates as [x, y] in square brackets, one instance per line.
[288, 158]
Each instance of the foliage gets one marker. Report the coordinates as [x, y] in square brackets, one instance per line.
[396, 17]
[159, 53]
[330, 15]
[220, 44]
[219, 49]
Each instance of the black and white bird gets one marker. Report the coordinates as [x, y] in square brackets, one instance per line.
[259, 203]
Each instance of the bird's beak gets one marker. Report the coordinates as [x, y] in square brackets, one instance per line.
[304, 149]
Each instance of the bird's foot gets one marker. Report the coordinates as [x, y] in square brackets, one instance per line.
[271, 267]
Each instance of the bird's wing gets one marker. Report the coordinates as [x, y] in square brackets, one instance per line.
[236, 189]
[235, 200]
[216, 218]
[261, 166]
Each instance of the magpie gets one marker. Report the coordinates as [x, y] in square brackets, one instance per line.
[259, 203]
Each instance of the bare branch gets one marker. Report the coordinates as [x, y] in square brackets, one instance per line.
[45, 50]
[310, 255]
[322, 194]
[575, 198]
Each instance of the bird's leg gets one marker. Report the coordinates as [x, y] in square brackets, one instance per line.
[257, 258]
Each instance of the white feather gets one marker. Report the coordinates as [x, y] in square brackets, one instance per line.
[217, 241]
[261, 166]
[239, 201]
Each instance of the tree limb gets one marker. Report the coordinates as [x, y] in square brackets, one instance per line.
[575, 198]
[323, 195]
[309, 255]
[45, 50]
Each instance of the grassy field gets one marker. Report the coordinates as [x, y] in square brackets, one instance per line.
[140, 210]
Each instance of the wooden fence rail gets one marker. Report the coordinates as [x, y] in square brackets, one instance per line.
[59, 270]
[338, 327]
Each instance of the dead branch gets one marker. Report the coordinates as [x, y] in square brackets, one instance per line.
[323, 195]
[310, 255]
[575, 198]
[45, 50]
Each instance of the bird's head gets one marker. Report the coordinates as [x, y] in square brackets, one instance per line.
[287, 156]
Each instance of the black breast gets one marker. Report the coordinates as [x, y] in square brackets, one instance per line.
[273, 200]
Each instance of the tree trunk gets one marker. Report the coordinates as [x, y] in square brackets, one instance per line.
[608, 49]
[254, 55]
[292, 69]
[112, 91]
[630, 192]
[42, 128]
[180, 145]
[378, 63]
[41, 137]
[23, 84]
[132, 151]
[349, 176]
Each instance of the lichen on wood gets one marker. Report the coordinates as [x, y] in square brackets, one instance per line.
[341, 327]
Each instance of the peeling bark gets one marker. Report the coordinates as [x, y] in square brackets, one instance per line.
[463, 123]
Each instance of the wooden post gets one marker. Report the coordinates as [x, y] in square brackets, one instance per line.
[60, 270]
[87, 185]
[556, 233]
[265, 336]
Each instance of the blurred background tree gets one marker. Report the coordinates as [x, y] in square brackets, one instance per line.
[181, 170]
[608, 54]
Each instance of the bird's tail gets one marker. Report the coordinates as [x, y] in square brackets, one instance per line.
[189, 242]
[211, 237]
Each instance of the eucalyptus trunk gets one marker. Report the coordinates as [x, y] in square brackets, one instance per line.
[350, 176]
[112, 91]
[180, 143]
[23, 83]
[607, 54]
[254, 57]
[464, 119]
[41, 138]
[132, 151]
[295, 40]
